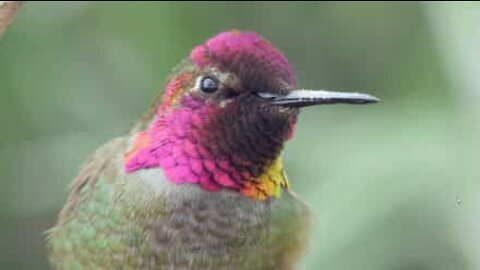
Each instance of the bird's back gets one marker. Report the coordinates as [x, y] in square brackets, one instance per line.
[114, 220]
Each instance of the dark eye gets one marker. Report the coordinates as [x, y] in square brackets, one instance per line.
[209, 84]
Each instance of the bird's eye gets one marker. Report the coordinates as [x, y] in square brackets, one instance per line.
[209, 84]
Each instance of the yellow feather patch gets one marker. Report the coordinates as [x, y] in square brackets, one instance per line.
[269, 184]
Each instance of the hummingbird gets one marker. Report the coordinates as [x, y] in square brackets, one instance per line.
[198, 182]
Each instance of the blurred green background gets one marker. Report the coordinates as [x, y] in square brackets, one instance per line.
[392, 186]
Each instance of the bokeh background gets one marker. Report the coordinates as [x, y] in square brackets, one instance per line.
[392, 186]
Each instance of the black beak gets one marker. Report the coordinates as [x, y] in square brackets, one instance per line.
[302, 98]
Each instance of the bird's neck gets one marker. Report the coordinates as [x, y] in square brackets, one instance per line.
[181, 146]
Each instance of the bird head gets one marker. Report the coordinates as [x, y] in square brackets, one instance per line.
[225, 116]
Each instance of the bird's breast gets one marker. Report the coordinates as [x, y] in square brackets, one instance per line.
[203, 229]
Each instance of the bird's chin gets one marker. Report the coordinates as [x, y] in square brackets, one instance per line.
[284, 112]
[279, 115]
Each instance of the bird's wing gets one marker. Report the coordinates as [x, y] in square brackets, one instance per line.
[290, 224]
[96, 228]
[90, 172]
[298, 219]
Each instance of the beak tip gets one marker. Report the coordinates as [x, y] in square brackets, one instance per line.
[374, 100]
[360, 98]
[366, 98]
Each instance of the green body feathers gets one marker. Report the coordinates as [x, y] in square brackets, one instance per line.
[114, 220]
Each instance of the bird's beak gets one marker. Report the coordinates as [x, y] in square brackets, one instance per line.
[302, 98]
